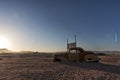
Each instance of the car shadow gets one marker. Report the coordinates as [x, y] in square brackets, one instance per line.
[95, 66]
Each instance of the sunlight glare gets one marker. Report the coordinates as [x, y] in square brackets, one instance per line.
[4, 42]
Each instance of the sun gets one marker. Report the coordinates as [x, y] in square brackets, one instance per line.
[4, 42]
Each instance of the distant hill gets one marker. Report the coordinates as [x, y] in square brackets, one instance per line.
[108, 52]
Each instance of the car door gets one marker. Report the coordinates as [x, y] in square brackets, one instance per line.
[73, 55]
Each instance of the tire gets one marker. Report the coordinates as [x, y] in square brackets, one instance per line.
[96, 61]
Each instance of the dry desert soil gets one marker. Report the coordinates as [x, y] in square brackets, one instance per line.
[41, 67]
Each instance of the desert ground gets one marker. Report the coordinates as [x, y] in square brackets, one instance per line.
[41, 67]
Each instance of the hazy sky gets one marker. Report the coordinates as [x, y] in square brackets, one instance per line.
[44, 25]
